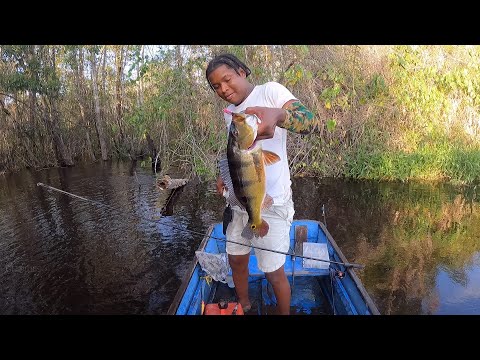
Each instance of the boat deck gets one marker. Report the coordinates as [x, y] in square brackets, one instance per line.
[305, 297]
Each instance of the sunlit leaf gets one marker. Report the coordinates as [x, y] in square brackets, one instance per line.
[331, 124]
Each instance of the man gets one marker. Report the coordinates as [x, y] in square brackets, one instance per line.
[279, 110]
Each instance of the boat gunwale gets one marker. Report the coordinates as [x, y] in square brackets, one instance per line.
[368, 300]
[188, 275]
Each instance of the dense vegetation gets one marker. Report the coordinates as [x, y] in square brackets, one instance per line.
[387, 112]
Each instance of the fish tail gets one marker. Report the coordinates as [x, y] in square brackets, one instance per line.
[250, 230]
[260, 230]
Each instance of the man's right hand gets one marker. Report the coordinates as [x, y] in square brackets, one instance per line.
[220, 185]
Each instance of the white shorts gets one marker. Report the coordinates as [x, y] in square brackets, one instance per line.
[279, 219]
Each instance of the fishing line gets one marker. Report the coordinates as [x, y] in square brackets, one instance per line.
[359, 266]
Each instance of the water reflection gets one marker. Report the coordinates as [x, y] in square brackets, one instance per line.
[409, 236]
[61, 255]
[456, 297]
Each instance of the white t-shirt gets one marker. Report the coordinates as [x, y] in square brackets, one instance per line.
[274, 95]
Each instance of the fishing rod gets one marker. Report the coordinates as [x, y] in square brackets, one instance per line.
[352, 265]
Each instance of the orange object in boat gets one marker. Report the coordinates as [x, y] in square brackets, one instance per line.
[224, 308]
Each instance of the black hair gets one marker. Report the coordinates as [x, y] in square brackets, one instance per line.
[226, 59]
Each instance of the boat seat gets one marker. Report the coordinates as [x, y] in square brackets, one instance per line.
[296, 265]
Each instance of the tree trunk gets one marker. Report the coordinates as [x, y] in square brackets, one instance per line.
[168, 183]
[38, 146]
[98, 119]
[167, 209]
[103, 88]
[118, 91]
[104, 72]
[140, 78]
[153, 151]
[52, 122]
[82, 94]
[65, 158]
[178, 56]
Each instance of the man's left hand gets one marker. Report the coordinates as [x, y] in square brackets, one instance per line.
[269, 118]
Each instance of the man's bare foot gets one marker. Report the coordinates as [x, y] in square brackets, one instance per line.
[246, 307]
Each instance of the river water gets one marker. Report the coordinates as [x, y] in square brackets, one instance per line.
[126, 253]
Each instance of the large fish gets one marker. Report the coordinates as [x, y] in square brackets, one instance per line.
[246, 165]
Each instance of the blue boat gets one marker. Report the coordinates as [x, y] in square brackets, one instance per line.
[322, 284]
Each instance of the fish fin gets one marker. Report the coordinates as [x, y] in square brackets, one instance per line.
[247, 232]
[261, 230]
[267, 202]
[270, 157]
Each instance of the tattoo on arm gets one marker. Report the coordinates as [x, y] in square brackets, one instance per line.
[299, 119]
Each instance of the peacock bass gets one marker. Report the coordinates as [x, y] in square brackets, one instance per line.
[246, 164]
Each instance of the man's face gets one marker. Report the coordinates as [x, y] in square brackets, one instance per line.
[229, 85]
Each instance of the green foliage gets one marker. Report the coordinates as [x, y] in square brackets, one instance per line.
[441, 160]
[464, 82]
[410, 112]
[295, 74]
[331, 124]
[32, 70]
[425, 90]
[463, 165]
[330, 93]
[137, 120]
[336, 93]
[376, 87]
[415, 87]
